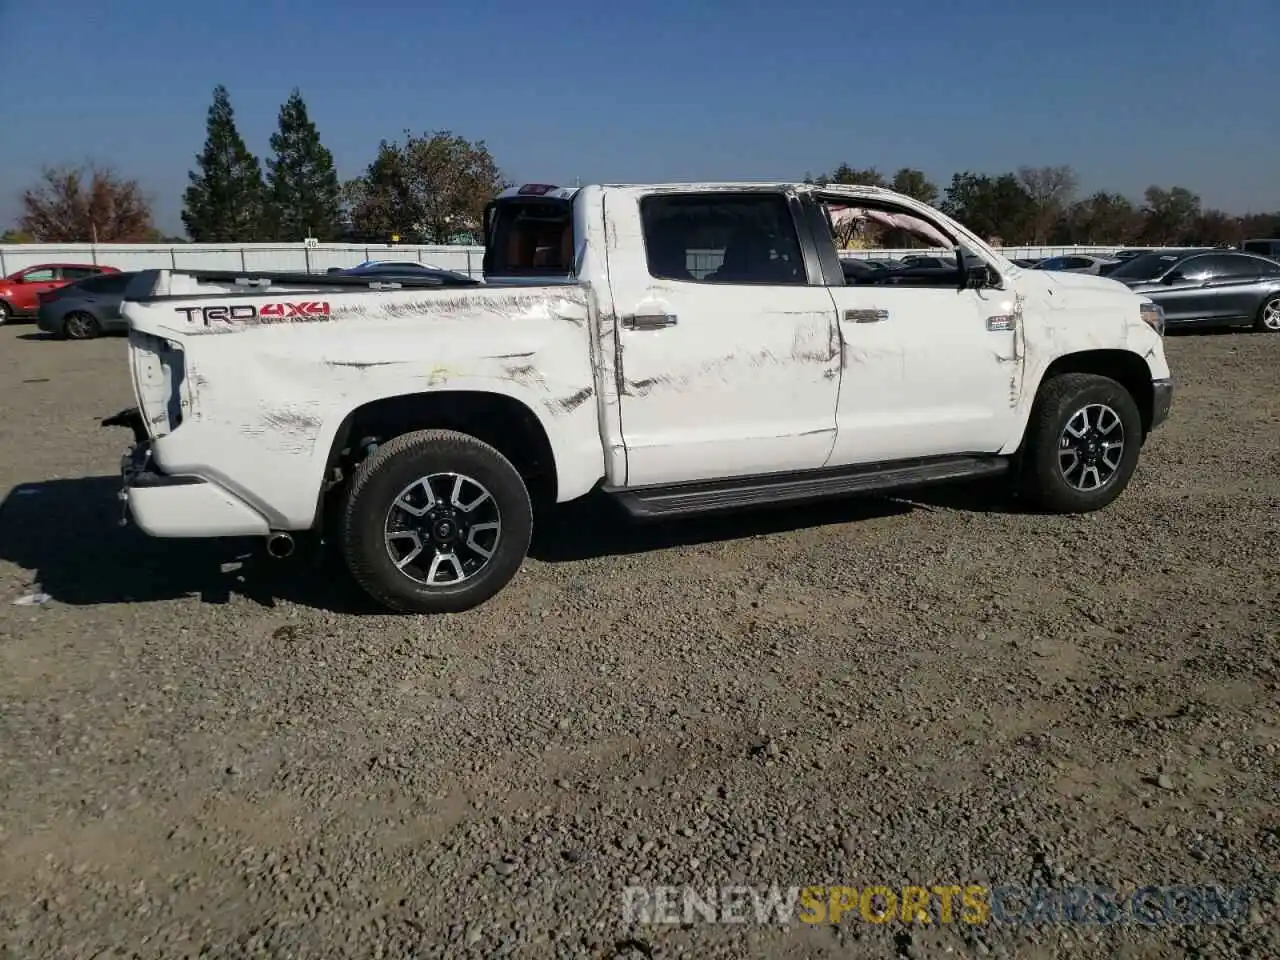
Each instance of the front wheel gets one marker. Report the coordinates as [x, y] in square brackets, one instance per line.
[1082, 443]
[4, 313]
[1268, 320]
[436, 522]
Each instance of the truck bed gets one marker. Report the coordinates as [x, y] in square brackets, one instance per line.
[265, 369]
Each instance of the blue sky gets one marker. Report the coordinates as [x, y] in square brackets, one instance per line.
[1130, 94]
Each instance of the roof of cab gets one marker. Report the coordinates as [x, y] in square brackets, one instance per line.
[551, 191]
[538, 191]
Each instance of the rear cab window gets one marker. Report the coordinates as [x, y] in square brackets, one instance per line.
[529, 233]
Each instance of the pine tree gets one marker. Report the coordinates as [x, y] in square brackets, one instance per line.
[224, 203]
[303, 193]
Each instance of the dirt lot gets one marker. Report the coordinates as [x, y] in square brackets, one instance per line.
[247, 763]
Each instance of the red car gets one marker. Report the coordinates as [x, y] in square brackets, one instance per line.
[20, 292]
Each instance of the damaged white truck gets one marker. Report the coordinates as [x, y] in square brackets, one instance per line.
[682, 348]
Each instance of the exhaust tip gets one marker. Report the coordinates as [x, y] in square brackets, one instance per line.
[279, 545]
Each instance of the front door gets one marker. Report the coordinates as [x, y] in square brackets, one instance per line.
[927, 368]
[927, 371]
[31, 284]
[726, 339]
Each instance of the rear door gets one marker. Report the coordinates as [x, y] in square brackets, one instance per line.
[726, 351]
[103, 294]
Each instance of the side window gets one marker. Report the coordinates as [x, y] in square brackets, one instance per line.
[722, 238]
[92, 285]
[1219, 267]
[112, 283]
[78, 273]
[1054, 263]
[1192, 269]
[43, 275]
[1078, 263]
[1229, 268]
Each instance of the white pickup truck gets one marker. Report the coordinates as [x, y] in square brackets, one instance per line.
[683, 348]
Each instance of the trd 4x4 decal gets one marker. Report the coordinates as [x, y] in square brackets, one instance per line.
[285, 311]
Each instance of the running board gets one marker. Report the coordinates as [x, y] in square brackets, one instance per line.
[735, 493]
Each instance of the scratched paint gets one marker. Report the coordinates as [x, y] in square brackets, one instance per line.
[748, 379]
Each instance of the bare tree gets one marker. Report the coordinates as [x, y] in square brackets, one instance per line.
[1051, 190]
[84, 204]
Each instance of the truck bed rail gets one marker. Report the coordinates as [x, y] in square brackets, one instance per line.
[260, 278]
[148, 286]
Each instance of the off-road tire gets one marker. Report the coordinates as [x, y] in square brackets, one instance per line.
[1044, 484]
[380, 479]
[1268, 315]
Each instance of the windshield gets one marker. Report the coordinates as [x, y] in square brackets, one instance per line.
[1148, 266]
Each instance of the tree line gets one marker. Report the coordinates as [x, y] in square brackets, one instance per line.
[1041, 206]
[432, 188]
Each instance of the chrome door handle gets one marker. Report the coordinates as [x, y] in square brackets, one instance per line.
[649, 321]
[865, 316]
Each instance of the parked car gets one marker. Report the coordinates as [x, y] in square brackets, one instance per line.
[1266, 248]
[404, 264]
[20, 291]
[1028, 262]
[416, 429]
[86, 308]
[1208, 288]
[928, 262]
[1075, 263]
[392, 270]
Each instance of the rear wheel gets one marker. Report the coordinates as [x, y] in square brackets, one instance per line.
[1268, 320]
[435, 522]
[1082, 443]
[79, 325]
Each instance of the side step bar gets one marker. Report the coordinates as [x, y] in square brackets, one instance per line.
[736, 493]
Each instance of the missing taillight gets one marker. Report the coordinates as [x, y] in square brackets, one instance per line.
[159, 377]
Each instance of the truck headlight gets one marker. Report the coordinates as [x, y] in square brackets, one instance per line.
[1153, 316]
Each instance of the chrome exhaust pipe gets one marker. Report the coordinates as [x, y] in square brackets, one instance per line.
[279, 545]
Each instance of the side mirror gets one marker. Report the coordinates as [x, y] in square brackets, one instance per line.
[978, 276]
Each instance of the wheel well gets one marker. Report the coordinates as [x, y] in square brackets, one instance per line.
[500, 421]
[1125, 367]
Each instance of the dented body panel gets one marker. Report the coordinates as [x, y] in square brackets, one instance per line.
[262, 401]
[637, 380]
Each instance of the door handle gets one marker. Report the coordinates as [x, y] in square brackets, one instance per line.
[865, 316]
[649, 321]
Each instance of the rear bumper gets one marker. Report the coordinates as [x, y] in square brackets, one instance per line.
[1161, 401]
[167, 506]
[47, 321]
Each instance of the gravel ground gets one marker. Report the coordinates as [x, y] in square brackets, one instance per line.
[199, 759]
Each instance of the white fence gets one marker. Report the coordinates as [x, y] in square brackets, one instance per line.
[246, 256]
[318, 259]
